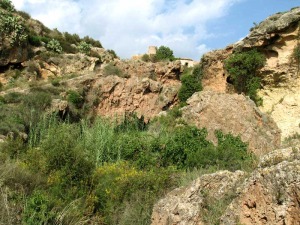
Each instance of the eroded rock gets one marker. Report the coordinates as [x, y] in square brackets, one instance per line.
[235, 114]
[183, 206]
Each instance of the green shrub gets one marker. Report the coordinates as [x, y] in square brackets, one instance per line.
[34, 40]
[164, 53]
[146, 58]
[67, 47]
[92, 42]
[243, 69]
[131, 122]
[55, 82]
[71, 38]
[191, 83]
[25, 15]
[113, 53]
[12, 27]
[7, 5]
[38, 210]
[111, 69]
[120, 185]
[84, 47]
[75, 98]
[54, 46]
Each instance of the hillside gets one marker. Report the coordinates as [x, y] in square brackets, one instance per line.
[88, 138]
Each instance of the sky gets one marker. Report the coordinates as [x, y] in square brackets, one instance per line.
[189, 27]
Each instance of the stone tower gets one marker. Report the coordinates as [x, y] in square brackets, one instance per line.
[152, 50]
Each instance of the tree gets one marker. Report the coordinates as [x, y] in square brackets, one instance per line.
[164, 53]
[243, 69]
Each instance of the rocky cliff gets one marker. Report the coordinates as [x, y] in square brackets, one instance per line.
[276, 38]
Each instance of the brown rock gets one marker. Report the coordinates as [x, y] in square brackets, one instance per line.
[233, 113]
[271, 194]
[150, 89]
[183, 206]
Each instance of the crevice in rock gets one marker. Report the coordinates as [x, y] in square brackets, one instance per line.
[229, 80]
[11, 66]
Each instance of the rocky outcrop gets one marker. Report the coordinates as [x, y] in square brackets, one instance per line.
[149, 89]
[276, 37]
[66, 64]
[232, 113]
[183, 206]
[214, 74]
[269, 195]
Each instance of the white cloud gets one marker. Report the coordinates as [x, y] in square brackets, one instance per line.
[130, 26]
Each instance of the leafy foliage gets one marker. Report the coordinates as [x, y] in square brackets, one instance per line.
[7, 5]
[12, 27]
[54, 46]
[84, 47]
[243, 69]
[191, 83]
[164, 53]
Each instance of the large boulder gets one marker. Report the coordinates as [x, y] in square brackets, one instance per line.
[235, 114]
[271, 195]
[185, 205]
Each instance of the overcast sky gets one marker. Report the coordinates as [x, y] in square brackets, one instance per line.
[188, 27]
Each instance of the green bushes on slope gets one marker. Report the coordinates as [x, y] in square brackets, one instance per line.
[243, 69]
[107, 169]
[191, 83]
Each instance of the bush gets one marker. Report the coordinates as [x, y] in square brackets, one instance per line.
[84, 47]
[164, 53]
[92, 42]
[12, 27]
[7, 5]
[71, 38]
[120, 185]
[243, 69]
[113, 53]
[191, 83]
[25, 15]
[34, 40]
[54, 46]
[75, 98]
[146, 58]
[38, 210]
[111, 69]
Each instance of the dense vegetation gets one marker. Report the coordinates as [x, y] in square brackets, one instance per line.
[191, 83]
[243, 69]
[15, 25]
[58, 170]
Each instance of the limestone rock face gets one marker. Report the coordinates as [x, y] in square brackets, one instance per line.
[66, 64]
[276, 37]
[183, 206]
[271, 195]
[214, 74]
[233, 113]
[150, 89]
